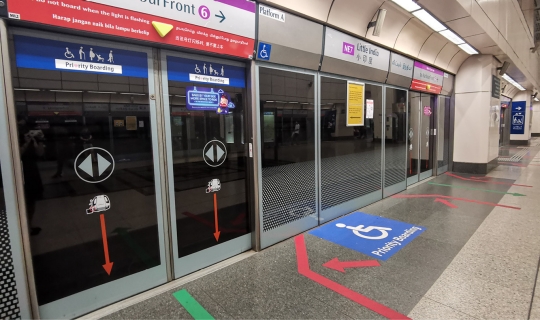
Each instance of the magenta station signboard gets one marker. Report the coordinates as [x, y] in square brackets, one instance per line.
[427, 79]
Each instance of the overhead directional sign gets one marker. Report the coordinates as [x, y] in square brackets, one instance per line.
[94, 165]
[218, 26]
[374, 236]
[215, 153]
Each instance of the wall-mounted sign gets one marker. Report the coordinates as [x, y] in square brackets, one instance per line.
[427, 79]
[208, 99]
[369, 109]
[271, 13]
[519, 109]
[219, 26]
[46, 54]
[54, 109]
[118, 123]
[188, 70]
[344, 47]
[264, 51]
[401, 65]
[355, 104]
[129, 108]
[131, 123]
[495, 87]
[96, 107]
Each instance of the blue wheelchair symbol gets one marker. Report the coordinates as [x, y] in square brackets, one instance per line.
[264, 51]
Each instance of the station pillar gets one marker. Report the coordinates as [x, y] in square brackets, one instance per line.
[477, 116]
[520, 134]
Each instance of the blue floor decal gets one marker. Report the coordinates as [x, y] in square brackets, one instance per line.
[374, 236]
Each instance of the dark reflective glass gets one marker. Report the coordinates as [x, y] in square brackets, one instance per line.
[427, 143]
[396, 136]
[351, 156]
[288, 146]
[206, 190]
[86, 151]
[413, 134]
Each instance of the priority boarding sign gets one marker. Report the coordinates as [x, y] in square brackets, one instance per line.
[374, 236]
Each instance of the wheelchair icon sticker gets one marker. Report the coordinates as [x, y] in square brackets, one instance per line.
[264, 51]
[359, 229]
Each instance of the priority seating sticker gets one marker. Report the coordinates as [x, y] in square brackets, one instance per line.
[374, 236]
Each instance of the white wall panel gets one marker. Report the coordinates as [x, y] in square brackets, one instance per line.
[466, 149]
[445, 10]
[317, 9]
[536, 118]
[353, 15]
[446, 55]
[465, 27]
[396, 19]
[480, 41]
[412, 37]
[432, 47]
[456, 61]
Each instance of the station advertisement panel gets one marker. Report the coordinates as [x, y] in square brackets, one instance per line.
[218, 26]
[427, 79]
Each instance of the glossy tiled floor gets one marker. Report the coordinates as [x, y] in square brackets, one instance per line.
[476, 260]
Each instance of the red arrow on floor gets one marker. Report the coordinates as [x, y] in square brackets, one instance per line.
[108, 264]
[340, 266]
[447, 203]
[216, 220]
[490, 182]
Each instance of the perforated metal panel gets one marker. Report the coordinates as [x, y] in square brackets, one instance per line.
[9, 303]
[288, 193]
[395, 165]
[348, 177]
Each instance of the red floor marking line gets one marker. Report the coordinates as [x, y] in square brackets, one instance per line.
[303, 269]
[412, 196]
[447, 203]
[492, 182]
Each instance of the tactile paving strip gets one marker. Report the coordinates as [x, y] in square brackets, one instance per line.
[288, 193]
[9, 303]
[517, 157]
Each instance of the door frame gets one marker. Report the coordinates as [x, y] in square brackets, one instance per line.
[365, 200]
[291, 229]
[402, 186]
[85, 301]
[432, 140]
[416, 178]
[209, 256]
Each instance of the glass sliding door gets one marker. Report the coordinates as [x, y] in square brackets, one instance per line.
[396, 141]
[350, 154]
[442, 134]
[207, 159]
[413, 138]
[427, 142]
[87, 132]
[288, 130]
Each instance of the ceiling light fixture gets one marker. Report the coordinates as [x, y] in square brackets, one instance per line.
[22, 89]
[408, 5]
[104, 92]
[467, 48]
[429, 20]
[451, 36]
[70, 91]
[513, 82]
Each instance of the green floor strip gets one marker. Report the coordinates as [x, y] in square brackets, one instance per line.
[192, 306]
[484, 190]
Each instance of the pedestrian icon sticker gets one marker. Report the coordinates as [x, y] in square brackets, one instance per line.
[374, 236]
